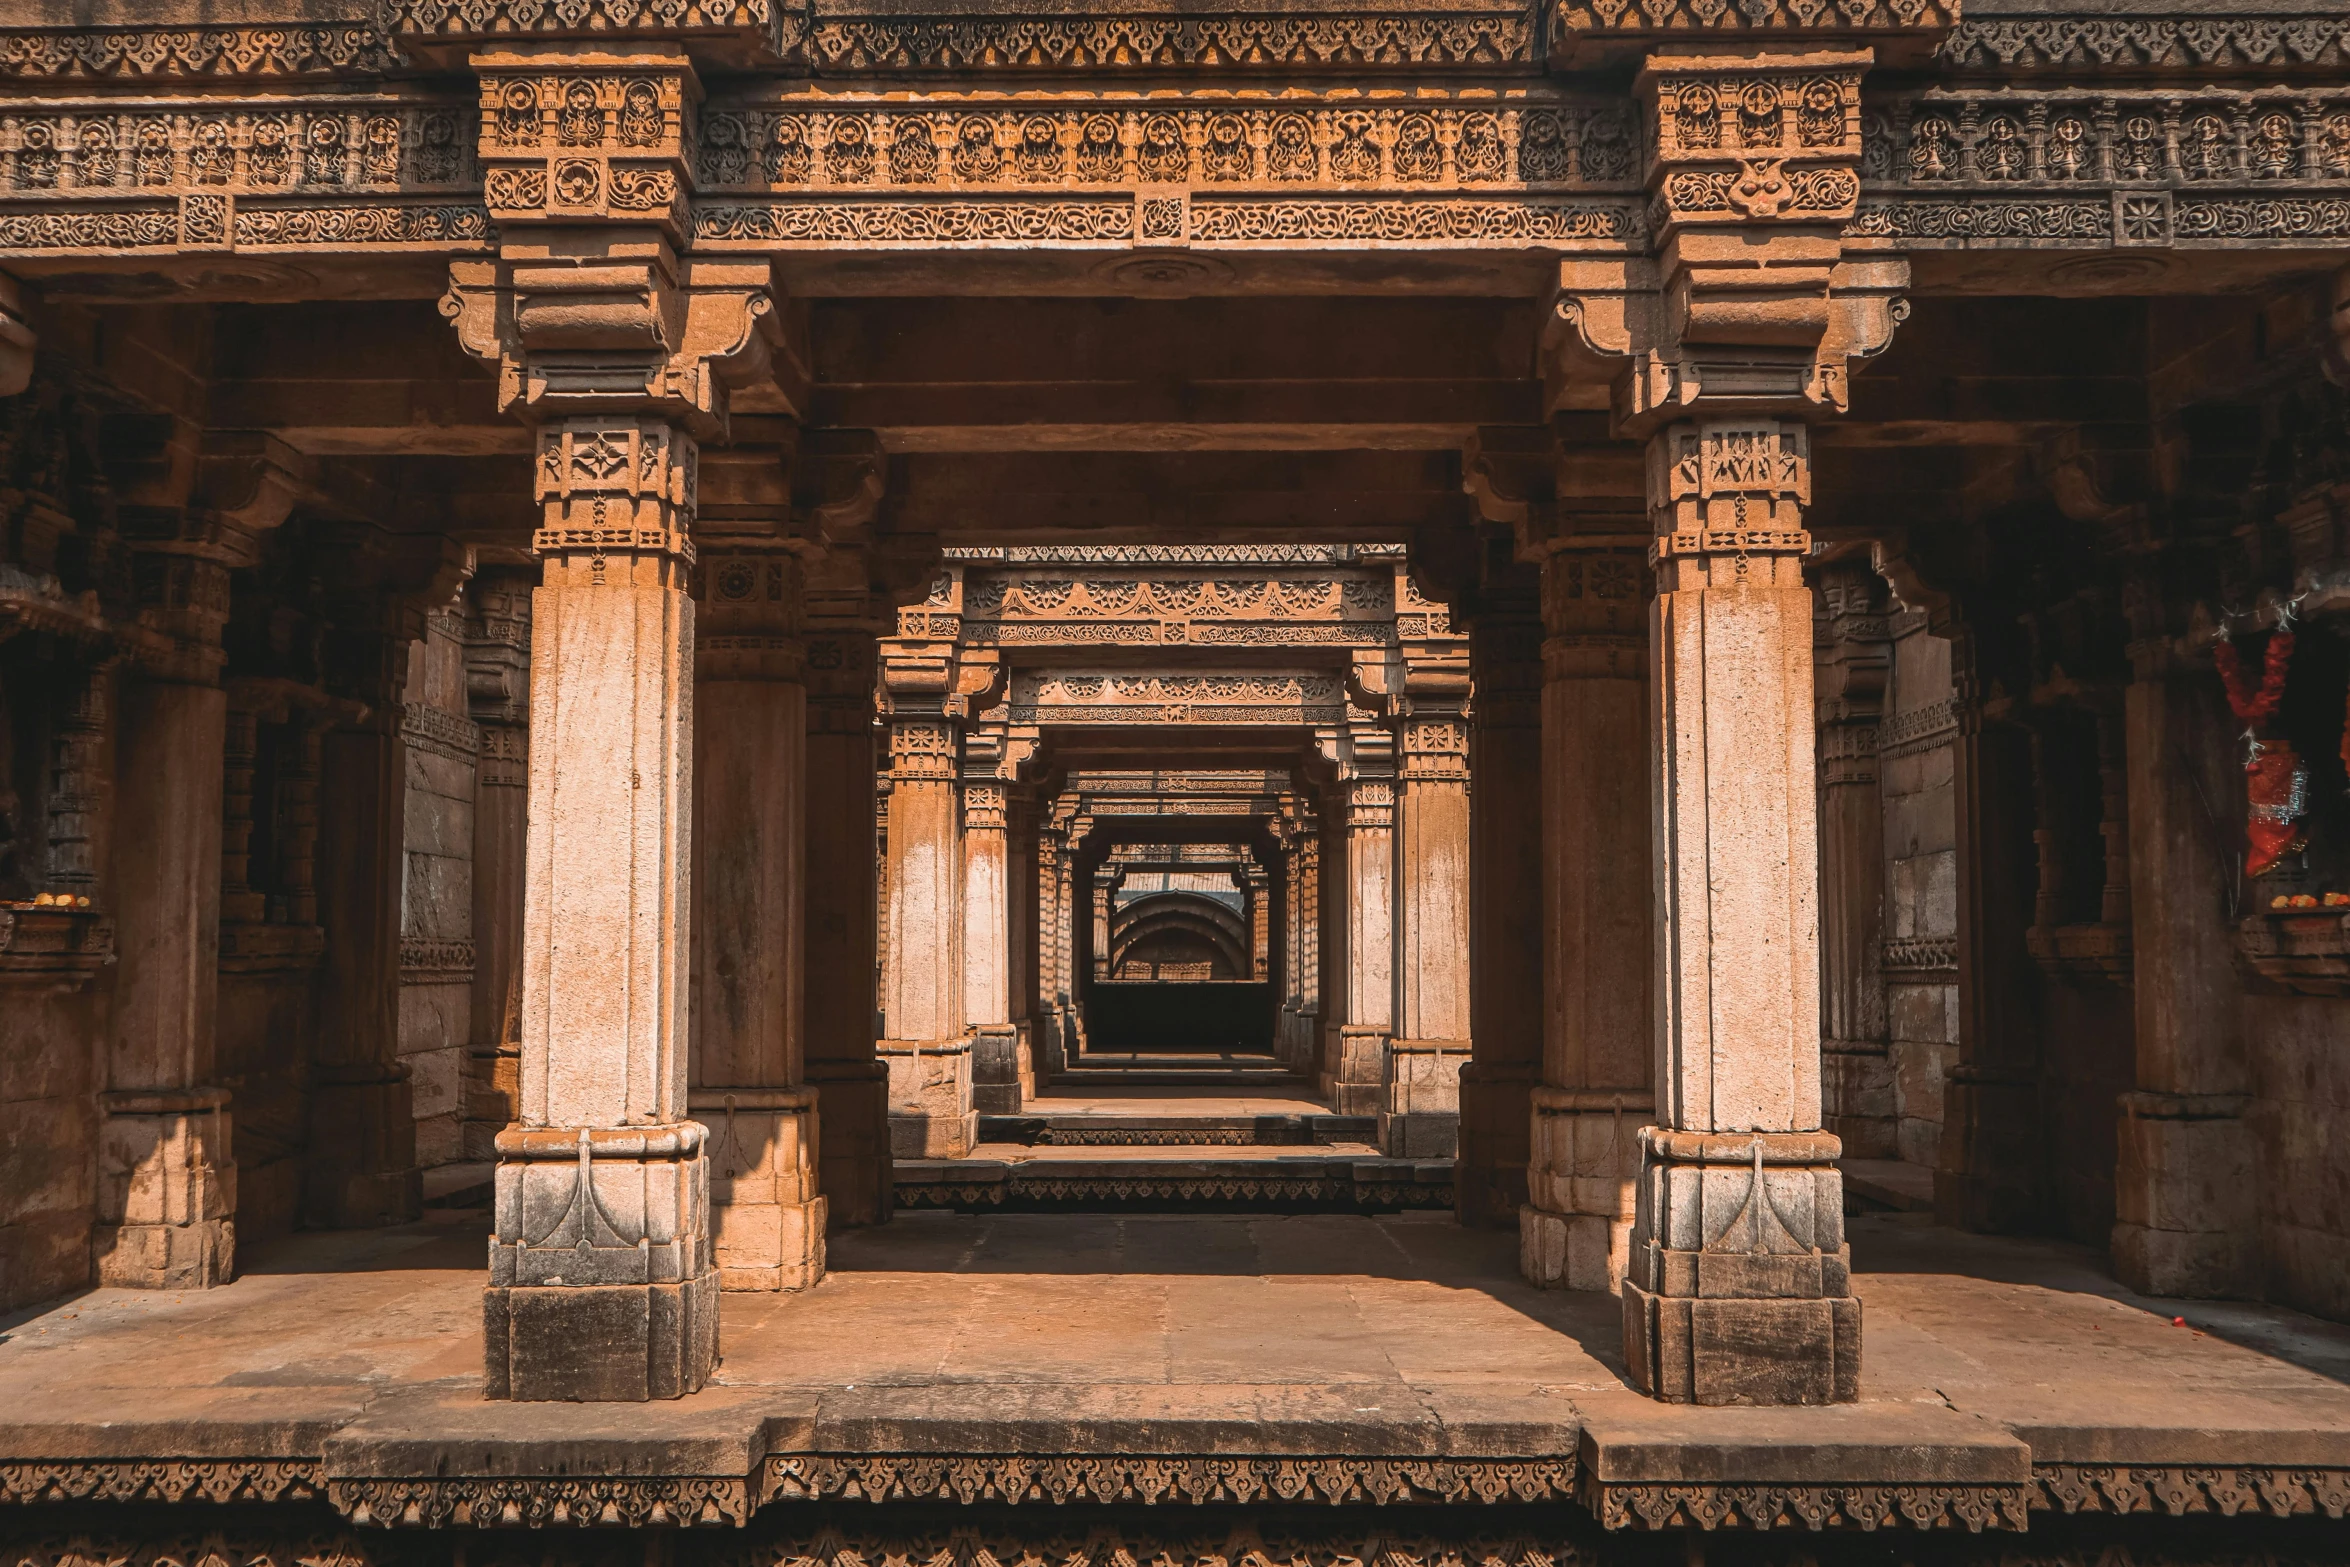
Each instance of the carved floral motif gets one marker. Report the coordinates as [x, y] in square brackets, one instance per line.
[1007, 146]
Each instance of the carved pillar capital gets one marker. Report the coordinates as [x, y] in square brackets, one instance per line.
[922, 747]
[590, 307]
[749, 619]
[614, 486]
[1749, 301]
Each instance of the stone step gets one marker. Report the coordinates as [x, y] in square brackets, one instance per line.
[1886, 1185]
[1000, 1178]
[1142, 1127]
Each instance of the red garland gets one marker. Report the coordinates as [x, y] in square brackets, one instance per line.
[2274, 781]
[2255, 709]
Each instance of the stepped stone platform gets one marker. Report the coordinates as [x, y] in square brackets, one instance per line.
[1176, 1117]
[1342, 1177]
[1081, 1364]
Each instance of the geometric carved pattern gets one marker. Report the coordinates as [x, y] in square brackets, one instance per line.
[1073, 39]
[1342, 1192]
[2176, 1491]
[1101, 141]
[160, 1480]
[680, 1501]
[1198, 1480]
[1709, 1505]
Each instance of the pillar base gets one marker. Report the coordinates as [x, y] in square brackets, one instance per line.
[1572, 1251]
[1739, 1284]
[1354, 1077]
[361, 1169]
[767, 1218]
[2182, 1182]
[1489, 1172]
[602, 1282]
[1582, 1165]
[852, 1157]
[1988, 1179]
[167, 1190]
[1857, 1085]
[1421, 1115]
[996, 1076]
[931, 1112]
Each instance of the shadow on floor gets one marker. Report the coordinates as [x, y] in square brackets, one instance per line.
[454, 1240]
[1906, 1244]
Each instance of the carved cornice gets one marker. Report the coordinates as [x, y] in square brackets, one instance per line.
[1588, 32]
[736, 33]
[335, 49]
[2223, 38]
[1427, 35]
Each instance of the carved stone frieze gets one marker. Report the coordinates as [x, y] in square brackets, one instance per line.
[1058, 697]
[1584, 30]
[1342, 1193]
[1198, 1480]
[2177, 1490]
[568, 141]
[160, 1480]
[739, 32]
[362, 142]
[1708, 1505]
[330, 49]
[2201, 37]
[633, 1502]
[1431, 33]
[1481, 143]
[2132, 168]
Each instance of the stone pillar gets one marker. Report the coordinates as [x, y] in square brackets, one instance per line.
[1103, 890]
[167, 1180]
[852, 1085]
[497, 685]
[2185, 1179]
[360, 1168]
[1422, 1109]
[1855, 661]
[1256, 888]
[750, 844]
[924, 1044]
[1738, 1286]
[602, 1284]
[1991, 1175]
[1052, 944]
[1305, 953]
[1355, 1081]
[1505, 923]
[1598, 934]
[987, 949]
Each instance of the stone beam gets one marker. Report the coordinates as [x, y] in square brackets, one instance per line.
[1173, 497]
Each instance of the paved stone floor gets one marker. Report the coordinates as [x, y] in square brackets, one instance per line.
[1302, 1333]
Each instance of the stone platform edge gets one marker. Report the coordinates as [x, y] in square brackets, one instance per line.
[1987, 1480]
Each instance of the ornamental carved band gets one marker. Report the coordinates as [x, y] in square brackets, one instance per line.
[599, 145]
[615, 486]
[1730, 487]
[1759, 137]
